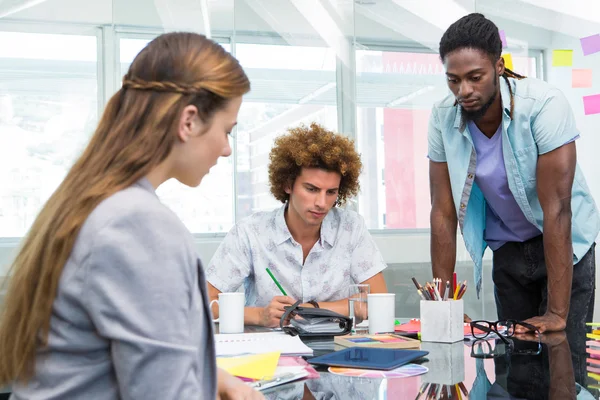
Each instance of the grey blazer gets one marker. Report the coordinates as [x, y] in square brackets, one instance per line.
[130, 319]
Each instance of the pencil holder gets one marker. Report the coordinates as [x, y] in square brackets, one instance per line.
[446, 363]
[442, 321]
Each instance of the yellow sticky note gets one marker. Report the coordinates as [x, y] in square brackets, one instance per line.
[254, 366]
[594, 376]
[592, 336]
[562, 58]
[508, 62]
[582, 78]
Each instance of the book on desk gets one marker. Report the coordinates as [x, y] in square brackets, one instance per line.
[382, 341]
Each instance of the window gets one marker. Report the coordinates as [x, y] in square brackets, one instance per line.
[290, 85]
[395, 93]
[48, 110]
[209, 207]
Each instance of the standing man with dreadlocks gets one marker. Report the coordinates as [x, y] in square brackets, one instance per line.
[503, 167]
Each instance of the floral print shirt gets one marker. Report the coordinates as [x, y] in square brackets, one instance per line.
[345, 254]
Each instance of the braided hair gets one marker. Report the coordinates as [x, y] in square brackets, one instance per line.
[475, 31]
[162, 86]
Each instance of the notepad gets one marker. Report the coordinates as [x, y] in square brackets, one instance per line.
[253, 366]
[259, 343]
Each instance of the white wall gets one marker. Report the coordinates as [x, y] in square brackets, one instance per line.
[588, 146]
[396, 248]
[386, 21]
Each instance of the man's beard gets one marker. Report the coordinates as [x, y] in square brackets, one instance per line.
[477, 114]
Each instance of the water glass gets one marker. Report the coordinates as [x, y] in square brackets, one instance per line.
[357, 306]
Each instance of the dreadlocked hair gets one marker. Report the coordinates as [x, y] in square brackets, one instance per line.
[475, 31]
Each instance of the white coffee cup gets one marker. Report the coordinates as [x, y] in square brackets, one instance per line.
[382, 310]
[231, 312]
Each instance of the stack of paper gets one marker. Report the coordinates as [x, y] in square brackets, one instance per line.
[593, 350]
[260, 343]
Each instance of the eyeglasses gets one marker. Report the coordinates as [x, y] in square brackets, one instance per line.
[503, 328]
[482, 348]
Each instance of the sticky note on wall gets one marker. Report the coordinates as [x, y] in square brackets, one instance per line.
[503, 38]
[508, 61]
[582, 78]
[562, 58]
[590, 44]
[591, 104]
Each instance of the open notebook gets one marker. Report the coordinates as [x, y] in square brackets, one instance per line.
[257, 343]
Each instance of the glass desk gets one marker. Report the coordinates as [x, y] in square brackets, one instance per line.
[528, 369]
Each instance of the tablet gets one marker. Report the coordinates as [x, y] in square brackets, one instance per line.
[369, 358]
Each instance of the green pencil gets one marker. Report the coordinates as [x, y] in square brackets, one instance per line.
[275, 280]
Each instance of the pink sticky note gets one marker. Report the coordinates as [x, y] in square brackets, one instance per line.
[582, 78]
[591, 104]
[590, 44]
[503, 38]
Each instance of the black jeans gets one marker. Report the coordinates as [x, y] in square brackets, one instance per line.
[521, 292]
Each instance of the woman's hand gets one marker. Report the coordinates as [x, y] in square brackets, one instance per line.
[231, 388]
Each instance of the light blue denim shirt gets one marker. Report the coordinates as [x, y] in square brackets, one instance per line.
[542, 121]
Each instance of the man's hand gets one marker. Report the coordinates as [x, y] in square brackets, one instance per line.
[546, 323]
[270, 315]
[231, 388]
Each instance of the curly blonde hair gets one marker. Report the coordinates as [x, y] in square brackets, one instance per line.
[313, 147]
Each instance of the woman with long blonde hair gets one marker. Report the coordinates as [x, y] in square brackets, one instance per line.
[107, 298]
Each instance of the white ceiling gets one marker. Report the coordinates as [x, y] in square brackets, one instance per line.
[327, 23]
[419, 22]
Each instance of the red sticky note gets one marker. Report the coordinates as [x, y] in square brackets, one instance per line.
[582, 78]
[591, 104]
[593, 361]
[414, 325]
[593, 353]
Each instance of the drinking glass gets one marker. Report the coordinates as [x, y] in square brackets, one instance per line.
[357, 306]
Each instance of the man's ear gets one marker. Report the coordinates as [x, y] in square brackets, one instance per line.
[289, 186]
[500, 66]
[189, 123]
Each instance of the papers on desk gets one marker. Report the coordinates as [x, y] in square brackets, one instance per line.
[593, 359]
[254, 366]
[265, 370]
[282, 375]
[414, 326]
[259, 343]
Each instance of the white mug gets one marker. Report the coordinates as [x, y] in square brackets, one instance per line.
[231, 312]
[382, 310]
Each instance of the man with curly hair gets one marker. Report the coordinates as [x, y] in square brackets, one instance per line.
[315, 249]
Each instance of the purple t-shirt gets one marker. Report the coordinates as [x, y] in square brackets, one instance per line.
[505, 222]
